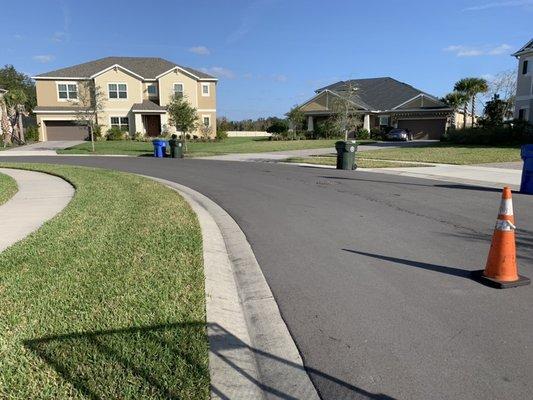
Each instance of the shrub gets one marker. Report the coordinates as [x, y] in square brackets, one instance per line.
[139, 137]
[362, 134]
[221, 135]
[278, 127]
[97, 131]
[32, 134]
[115, 133]
[327, 129]
[519, 132]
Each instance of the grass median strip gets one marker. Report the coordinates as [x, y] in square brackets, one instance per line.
[107, 299]
[198, 149]
[8, 188]
[448, 154]
[361, 162]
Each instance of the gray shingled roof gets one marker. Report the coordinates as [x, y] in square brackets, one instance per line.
[377, 93]
[525, 48]
[147, 105]
[147, 67]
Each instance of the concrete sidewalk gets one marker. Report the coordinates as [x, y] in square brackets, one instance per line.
[40, 148]
[465, 174]
[39, 198]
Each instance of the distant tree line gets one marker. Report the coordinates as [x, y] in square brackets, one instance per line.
[259, 124]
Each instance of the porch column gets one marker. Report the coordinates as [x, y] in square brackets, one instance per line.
[164, 121]
[139, 126]
[366, 122]
[310, 126]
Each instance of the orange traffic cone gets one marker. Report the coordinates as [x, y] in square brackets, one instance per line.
[501, 270]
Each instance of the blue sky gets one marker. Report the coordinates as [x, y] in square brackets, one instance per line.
[272, 54]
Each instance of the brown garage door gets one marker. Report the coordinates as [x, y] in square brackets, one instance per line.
[424, 128]
[65, 130]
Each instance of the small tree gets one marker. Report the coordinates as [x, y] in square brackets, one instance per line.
[182, 116]
[296, 118]
[278, 126]
[494, 112]
[90, 102]
[345, 116]
[206, 131]
[504, 85]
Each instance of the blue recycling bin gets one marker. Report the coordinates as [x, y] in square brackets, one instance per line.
[159, 148]
[526, 185]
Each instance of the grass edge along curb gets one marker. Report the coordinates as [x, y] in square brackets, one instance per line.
[106, 299]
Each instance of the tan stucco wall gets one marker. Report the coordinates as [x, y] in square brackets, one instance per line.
[207, 102]
[166, 87]
[118, 76]
[47, 93]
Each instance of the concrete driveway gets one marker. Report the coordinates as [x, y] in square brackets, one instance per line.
[371, 274]
[41, 148]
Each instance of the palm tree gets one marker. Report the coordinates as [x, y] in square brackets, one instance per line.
[472, 87]
[15, 100]
[457, 100]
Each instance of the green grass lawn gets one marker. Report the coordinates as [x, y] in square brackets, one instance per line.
[361, 162]
[198, 149]
[8, 188]
[448, 154]
[106, 300]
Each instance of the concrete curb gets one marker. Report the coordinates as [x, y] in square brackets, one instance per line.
[252, 354]
[40, 197]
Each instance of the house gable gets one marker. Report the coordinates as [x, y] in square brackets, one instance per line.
[421, 101]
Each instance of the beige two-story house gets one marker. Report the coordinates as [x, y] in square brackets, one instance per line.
[134, 93]
[524, 83]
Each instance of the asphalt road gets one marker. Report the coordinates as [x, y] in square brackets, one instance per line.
[370, 272]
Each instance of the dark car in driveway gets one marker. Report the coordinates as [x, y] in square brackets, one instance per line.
[398, 134]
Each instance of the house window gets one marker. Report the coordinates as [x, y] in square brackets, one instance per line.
[118, 91]
[205, 89]
[524, 67]
[67, 91]
[522, 114]
[152, 90]
[383, 120]
[120, 122]
[178, 89]
[207, 121]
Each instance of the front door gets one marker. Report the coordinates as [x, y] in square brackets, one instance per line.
[152, 124]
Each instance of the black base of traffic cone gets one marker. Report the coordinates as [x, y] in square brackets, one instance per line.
[478, 276]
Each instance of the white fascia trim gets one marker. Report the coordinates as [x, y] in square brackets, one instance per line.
[187, 73]
[149, 111]
[207, 109]
[50, 78]
[57, 112]
[422, 110]
[407, 101]
[116, 66]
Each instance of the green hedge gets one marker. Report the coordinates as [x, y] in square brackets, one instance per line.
[510, 134]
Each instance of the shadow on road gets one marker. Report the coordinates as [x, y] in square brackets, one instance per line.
[430, 267]
[159, 361]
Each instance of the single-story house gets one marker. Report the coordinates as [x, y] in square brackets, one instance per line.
[384, 102]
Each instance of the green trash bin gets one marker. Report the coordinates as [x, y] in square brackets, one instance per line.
[346, 154]
[176, 147]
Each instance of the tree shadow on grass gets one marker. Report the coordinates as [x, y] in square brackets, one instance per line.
[164, 361]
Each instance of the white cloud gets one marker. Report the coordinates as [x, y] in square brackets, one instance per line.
[18, 37]
[59, 37]
[248, 75]
[501, 49]
[200, 50]
[500, 4]
[219, 72]
[44, 58]
[473, 51]
[279, 78]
